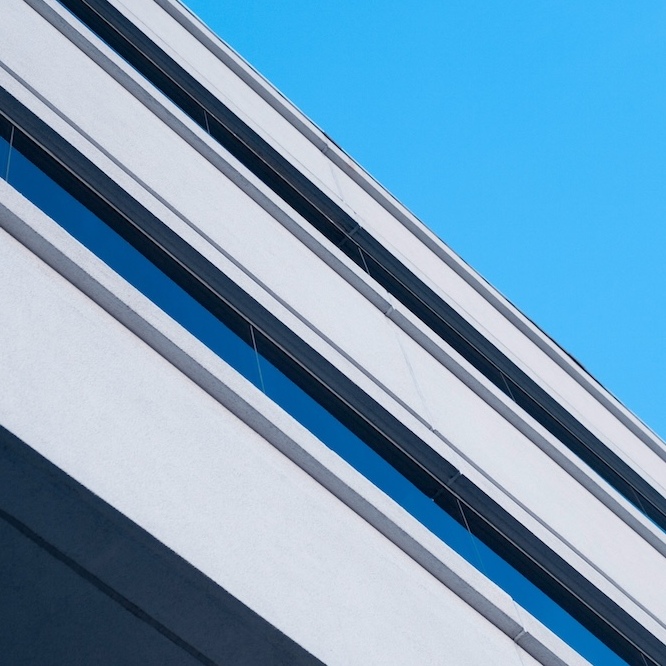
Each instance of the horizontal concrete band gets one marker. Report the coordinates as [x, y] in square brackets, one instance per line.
[510, 535]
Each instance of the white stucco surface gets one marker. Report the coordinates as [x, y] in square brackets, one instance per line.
[190, 190]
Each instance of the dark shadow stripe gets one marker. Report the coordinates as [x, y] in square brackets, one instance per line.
[104, 588]
[554, 575]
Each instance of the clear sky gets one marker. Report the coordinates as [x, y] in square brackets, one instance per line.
[530, 135]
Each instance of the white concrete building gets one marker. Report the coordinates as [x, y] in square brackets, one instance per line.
[253, 412]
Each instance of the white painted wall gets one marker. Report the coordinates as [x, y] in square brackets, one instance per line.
[363, 342]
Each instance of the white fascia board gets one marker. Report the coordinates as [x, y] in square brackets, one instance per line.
[512, 332]
[57, 249]
[243, 279]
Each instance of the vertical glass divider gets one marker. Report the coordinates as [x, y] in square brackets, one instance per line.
[256, 355]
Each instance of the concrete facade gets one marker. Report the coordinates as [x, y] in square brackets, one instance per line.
[126, 402]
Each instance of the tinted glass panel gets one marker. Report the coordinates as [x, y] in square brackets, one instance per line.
[88, 229]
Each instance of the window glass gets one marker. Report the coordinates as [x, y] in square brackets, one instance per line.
[5, 134]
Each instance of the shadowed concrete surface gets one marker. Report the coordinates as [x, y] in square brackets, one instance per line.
[81, 584]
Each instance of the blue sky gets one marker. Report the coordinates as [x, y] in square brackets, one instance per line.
[529, 135]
